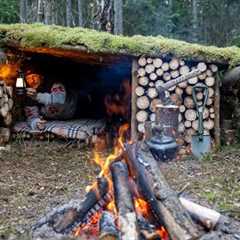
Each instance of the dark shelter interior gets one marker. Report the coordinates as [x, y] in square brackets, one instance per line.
[103, 90]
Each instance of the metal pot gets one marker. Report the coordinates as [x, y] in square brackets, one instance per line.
[163, 148]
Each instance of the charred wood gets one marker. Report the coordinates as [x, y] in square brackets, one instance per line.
[108, 229]
[64, 219]
[165, 201]
[138, 172]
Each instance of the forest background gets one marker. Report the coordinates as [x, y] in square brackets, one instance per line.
[212, 22]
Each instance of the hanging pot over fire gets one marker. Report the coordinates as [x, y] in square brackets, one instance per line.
[162, 147]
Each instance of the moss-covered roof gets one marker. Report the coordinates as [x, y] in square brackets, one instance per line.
[39, 35]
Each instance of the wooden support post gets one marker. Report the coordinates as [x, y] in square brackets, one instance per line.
[134, 135]
[217, 127]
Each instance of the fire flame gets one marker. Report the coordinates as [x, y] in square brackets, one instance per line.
[91, 227]
[142, 207]
[163, 233]
[117, 152]
[104, 165]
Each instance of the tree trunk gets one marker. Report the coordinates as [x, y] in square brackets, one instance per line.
[195, 19]
[48, 12]
[69, 13]
[23, 11]
[40, 11]
[80, 13]
[102, 13]
[118, 17]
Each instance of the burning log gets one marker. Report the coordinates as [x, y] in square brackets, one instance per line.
[107, 226]
[166, 204]
[72, 215]
[78, 215]
[124, 201]
[137, 171]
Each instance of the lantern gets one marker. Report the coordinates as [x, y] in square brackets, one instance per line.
[20, 84]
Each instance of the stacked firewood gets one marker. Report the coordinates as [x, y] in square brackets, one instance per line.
[153, 72]
[6, 105]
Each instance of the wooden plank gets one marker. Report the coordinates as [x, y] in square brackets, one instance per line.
[134, 135]
[217, 128]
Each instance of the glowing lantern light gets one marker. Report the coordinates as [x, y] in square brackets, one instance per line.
[20, 85]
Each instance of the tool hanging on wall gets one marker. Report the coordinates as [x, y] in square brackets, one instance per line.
[201, 143]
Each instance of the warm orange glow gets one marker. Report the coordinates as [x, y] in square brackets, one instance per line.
[118, 103]
[163, 233]
[9, 73]
[91, 227]
[142, 207]
[117, 152]
[112, 207]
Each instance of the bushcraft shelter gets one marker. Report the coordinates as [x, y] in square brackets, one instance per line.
[99, 64]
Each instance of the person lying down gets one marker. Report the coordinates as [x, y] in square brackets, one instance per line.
[58, 104]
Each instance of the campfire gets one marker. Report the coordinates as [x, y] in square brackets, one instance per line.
[130, 199]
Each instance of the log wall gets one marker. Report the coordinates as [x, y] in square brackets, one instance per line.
[152, 72]
[6, 106]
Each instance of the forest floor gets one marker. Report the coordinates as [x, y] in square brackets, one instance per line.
[37, 176]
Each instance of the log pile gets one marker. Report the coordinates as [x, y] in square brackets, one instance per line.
[6, 106]
[154, 72]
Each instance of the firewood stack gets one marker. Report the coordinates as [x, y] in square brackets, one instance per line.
[6, 106]
[153, 72]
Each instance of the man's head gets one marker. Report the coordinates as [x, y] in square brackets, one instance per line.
[34, 80]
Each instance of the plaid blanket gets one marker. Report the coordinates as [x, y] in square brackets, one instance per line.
[76, 129]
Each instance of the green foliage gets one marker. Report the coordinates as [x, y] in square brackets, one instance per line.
[214, 22]
[9, 11]
[208, 157]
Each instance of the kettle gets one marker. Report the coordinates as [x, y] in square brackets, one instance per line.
[163, 148]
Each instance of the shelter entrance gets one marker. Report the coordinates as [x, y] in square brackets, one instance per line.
[102, 93]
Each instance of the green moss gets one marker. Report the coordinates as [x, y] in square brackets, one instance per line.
[39, 35]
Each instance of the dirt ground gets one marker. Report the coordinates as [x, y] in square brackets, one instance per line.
[37, 176]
